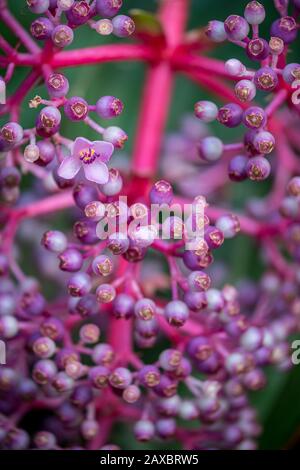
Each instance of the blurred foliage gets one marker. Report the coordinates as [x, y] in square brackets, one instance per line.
[278, 404]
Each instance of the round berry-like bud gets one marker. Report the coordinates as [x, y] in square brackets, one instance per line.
[9, 326]
[103, 354]
[85, 231]
[87, 305]
[255, 13]
[237, 168]
[145, 309]
[264, 142]
[170, 359]
[54, 241]
[62, 36]
[176, 313]
[235, 68]
[89, 333]
[123, 306]
[131, 394]
[236, 27]
[76, 108]
[62, 382]
[38, 6]
[78, 13]
[12, 134]
[149, 376]
[10, 177]
[64, 5]
[118, 243]
[251, 339]
[210, 149]
[104, 27]
[44, 347]
[105, 293]
[266, 79]
[258, 49]
[199, 281]
[41, 28]
[57, 85]
[238, 363]
[16, 439]
[245, 90]
[291, 73]
[206, 111]
[116, 136]
[144, 430]
[165, 428]
[108, 7]
[89, 429]
[146, 328]
[46, 152]
[108, 107]
[83, 194]
[70, 260]
[216, 31]
[120, 378]
[161, 193]
[293, 187]
[254, 117]
[48, 121]
[213, 237]
[230, 115]
[44, 371]
[114, 184]
[99, 376]
[79, 285]
[285, 28]
[31, 153]
[45, 440]
[94, 210]
[229, 225]
[102, 265]
[276, 46]
[258, 168]
[123, 26]
[52, 328]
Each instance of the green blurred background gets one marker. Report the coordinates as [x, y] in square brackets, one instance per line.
[279, 404]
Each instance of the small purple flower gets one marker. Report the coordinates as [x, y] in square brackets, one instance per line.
[91, 156]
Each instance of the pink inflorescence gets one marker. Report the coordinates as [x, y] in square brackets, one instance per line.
[76, 358]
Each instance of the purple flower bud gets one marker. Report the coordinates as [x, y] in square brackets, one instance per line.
[85, 231]
[161, 193]
[45, 440]
[76, 108]
[167, 387]
[87, 305]
[41, 28]
[206, 111]
[264, 142]
[44, 371]
[52, 328]
[176, 313]
[255, 13]
[237, 168]
[48, 121]
[118, 243]
[199, 348]
[71, 260]
[258, 168]
[258, 49]
[54, 241]
[229, 223]
[285, 28]
[213, 237]
[57, 85]
[79, 285]
[108, 7]
[114, 184]
[199, 281]
[210, 149]
[46, 152]
[116, 136]
[195, 300]
[144, 430]
[78, 13]
[251, 339]
[266, 79]
[145, 309]
[238, 363]
[291, 73]
[99, 376]
[123, 26]
[9, 326]
[102, 265]
[236, 27]
[84, 194]
[216, 31]
[149, 376]
[16, 439]
[255, 380]
[293, 186]
[105, 293]
[230, 115]
[108, 107]
[235, 67]
[245, 90]
[62, 382]
[146, 328]
[120, 378]
[170, 359]
[62, 36]
[89, 429]
[123, 306]
[89, 333]
[131, 394]
[44, 347]
[81, 396]
[254, 117]
[165, 428]
[12, 134]
[38, 6]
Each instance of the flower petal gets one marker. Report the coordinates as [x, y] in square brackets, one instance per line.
[80, 144]
[69, 168]
[96, 172]
[104, 149]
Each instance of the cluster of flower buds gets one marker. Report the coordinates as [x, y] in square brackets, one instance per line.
[143, 325]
